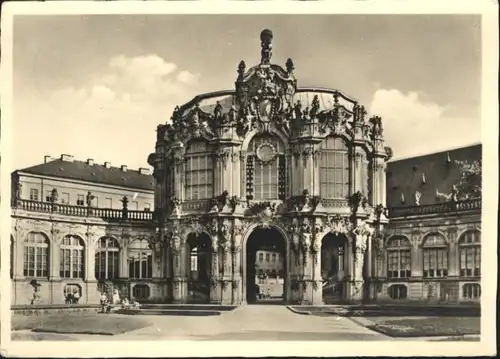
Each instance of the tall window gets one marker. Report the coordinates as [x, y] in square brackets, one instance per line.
[398, 258]
[140, 260]
[34, 194]
[261, 257]
[72, 257]
[106, 259]
[435, 255]
[266, 168]
[470, 254]
[199, 171]
[36, 252]
[334, 168]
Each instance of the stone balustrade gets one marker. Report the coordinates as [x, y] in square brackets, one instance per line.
[473, 204]
[81, 211]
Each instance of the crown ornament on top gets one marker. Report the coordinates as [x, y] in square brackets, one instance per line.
[266, 38]
[264, 93]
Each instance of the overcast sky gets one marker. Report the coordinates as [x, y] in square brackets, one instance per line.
[97, 86]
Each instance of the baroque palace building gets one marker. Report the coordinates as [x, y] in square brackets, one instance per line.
[304, 171]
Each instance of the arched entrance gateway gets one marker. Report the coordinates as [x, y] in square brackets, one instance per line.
[265, 266]
[334, 266]
[284, 187]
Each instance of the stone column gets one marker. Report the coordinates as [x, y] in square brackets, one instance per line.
[178, 166]
[243, 174]
[236, 256]
[298, 165]
[235, 173]
[222, 175]
[378, 181]
[357, 279]
[349, 265]
[306, 285]
[179, 283]
[225, 238]
[317, 283]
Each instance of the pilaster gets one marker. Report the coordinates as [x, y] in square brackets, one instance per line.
[416, 255]
[454, 256]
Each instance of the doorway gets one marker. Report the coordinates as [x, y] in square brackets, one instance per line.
[266, 267]
[199, 267]
[333, 267]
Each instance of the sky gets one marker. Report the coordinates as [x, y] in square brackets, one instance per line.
[97, 86]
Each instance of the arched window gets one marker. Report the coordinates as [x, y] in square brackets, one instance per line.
[334, 168]
[398, 258]
[470, 254]
[140, 260]
[72, 257]
[106, 259]
[36, 253]
[198, 171]
[266, 168]
[435, 256]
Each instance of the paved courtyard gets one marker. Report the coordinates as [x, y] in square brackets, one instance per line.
[251, 322]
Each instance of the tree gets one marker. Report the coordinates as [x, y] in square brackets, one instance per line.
[470, 183]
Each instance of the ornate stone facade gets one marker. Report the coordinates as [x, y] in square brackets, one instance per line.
[304, 169]
[264, 150]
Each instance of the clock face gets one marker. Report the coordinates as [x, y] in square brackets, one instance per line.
[266, 152]
[265, 110]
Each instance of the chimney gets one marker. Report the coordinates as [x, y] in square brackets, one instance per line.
[90, 161]
[66, 158]
[124, 168]
[47, 159]
[107, 164]
[144, 171]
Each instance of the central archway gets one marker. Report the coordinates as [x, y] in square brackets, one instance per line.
[266, 266]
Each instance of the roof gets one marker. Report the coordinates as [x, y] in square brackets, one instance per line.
[405, 176]
[95, 173]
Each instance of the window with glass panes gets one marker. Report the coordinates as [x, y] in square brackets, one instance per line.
[261, 257]
[334, 168]
[398, 258]
[34, 194]
[471, 291]
[107, 259]
[435, 256]
[470, 254]
[140, 259]
[36, 254]
[72, 257]
[266, 168]
[198, 171]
